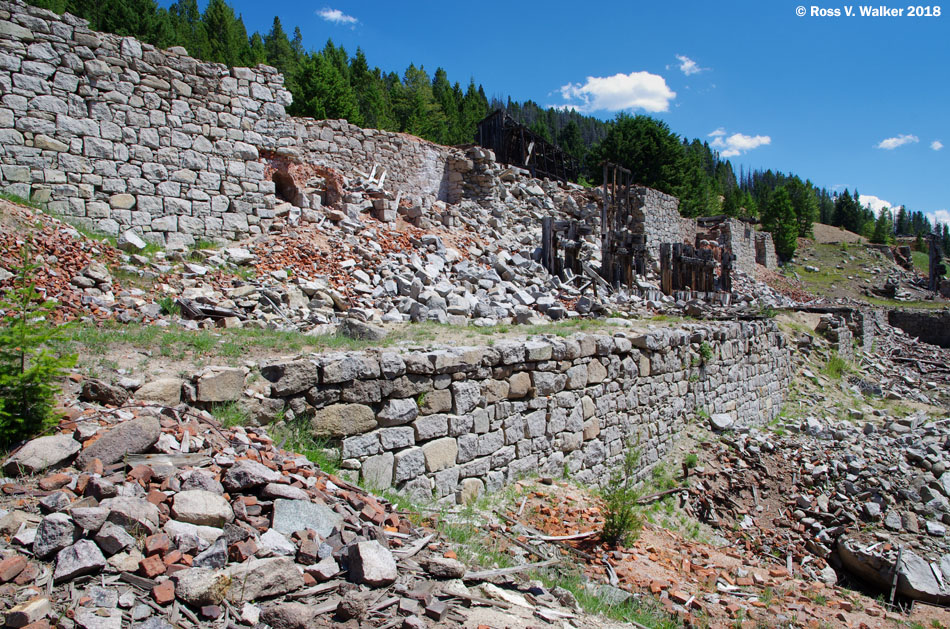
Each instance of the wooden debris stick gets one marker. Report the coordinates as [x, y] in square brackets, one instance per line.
[480, 600]
[534, 550]
[329, 586]
[326, 607]
[611, 573]
[561, 538]
[654, 497]
[499, 572]
[405, 553]
[537, 534]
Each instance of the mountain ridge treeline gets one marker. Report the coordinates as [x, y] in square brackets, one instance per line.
[330, 83]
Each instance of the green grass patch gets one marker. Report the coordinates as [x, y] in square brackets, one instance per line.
[645, 610]
[230, 414]
[297, 436]
[836, 367]
[921, 261]
[15, 198]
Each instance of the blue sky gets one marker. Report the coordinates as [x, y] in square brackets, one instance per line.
[856, 102]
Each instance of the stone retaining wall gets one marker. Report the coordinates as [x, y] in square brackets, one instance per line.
[930, 326]
[119, 134]
[454, 422]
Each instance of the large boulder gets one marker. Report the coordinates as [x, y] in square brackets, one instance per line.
[95, 390]
[201, 507]
[165, 391]
[247, 474]
[371, 563]
[915, 578]
[83, 557]
[55, 532]
[263, 578]
[130, 437]
[220, 384]
[291, 516]
[201, 586]
[132, 514]
[41, 454]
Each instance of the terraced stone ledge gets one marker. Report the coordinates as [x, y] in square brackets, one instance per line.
[454, 422]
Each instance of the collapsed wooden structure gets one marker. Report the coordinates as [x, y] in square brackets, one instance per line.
[706, 268]
[623, 250]
[516, 145]
[683, 267]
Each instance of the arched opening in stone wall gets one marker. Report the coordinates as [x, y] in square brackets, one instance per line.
[285, 188]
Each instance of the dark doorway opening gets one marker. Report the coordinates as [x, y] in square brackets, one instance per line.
[285, 188]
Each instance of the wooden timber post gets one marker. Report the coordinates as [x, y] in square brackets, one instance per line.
[937, 269]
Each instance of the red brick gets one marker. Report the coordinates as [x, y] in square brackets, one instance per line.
[11, 567]
[152, 566]
[140, 473]
[164, 592]
[156, 497]
[243, 550]
[93, 467]
[29, 575]
[55, 481]
[157, 544]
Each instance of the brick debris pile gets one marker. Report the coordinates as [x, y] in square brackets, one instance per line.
[157, 517]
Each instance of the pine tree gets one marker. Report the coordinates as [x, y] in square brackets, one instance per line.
[444, 95]
[647, 147]
[883, 227]
[256, 52]
[324, 91]
[29, 369]
[281, 56]
[805, 204]
[229, 44]
[779, 218]
[571, 141]
[901, 225]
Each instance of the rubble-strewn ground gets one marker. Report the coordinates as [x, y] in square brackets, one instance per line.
[743, 528]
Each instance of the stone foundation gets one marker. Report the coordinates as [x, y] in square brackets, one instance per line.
[453, 422]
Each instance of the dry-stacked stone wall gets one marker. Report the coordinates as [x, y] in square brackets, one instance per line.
[454, 422]
[119, 134]
[739, 237]
[765, 250]
[656, 215]
[416, 168]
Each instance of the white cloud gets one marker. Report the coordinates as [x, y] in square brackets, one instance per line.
[936, 145]
[637, 90]
[737, 143]
[892, 143]
[940, 216]
[336, 16]
[688, 66]
[876, 203]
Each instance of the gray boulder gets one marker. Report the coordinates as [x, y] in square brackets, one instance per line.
[371, 564]
[291, 516]
[130, 437]
[41, 454]
[83, 557]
